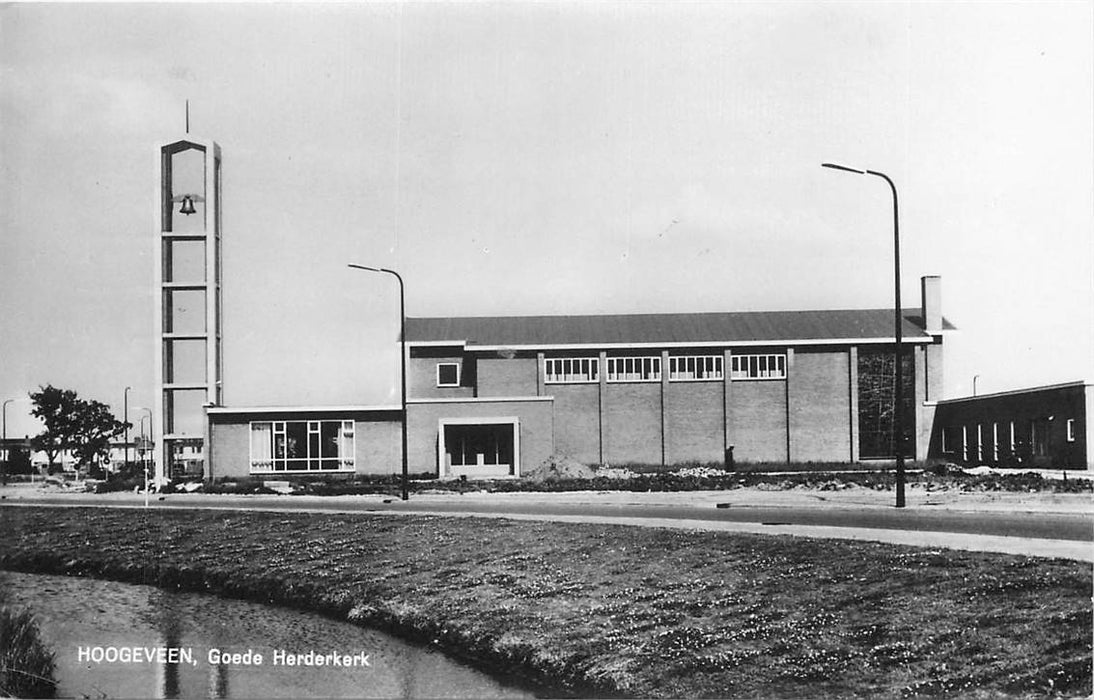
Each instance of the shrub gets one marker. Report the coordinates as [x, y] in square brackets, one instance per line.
[235, 486]
[771, 467]
[943, 469]
[693, 476]
[19, 461]
[116, 484]
[364, 484]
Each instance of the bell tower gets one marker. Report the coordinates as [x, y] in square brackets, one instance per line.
[188, 311]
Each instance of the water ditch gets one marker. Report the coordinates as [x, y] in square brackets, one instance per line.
[124, 640]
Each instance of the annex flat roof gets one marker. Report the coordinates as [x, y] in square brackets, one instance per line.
[1018, 392]
[233, 410]
[676, 329]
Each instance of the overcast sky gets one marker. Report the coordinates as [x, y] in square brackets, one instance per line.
[546, 158]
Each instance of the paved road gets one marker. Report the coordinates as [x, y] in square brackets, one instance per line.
[1076, 527]
[1036, 525]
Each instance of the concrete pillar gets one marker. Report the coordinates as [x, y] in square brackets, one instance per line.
[727, 397]
[158, 454]
[601, 399]
[664, 392]
[786, 385]
[931, 287]
[932, 323]
[207, 441]
[933, 370]
[853, 391]
[922, 426]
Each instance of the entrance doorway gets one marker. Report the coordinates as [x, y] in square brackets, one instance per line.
[479, 448]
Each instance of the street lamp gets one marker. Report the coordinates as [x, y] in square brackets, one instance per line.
[125, 445]
[897, 321]
[5, 435]
[144, 466]
[6, 402]
[402, 357]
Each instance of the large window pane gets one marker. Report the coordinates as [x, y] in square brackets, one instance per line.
[876, 402]
[296, 440]
[302, 446]
[347, 451]
[261, 446]
[328, 434]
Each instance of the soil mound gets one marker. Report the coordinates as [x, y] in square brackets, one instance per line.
[557, 467]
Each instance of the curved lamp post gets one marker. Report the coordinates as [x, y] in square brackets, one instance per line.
[125, 445]
[402, 356]
[144, 466]
[5, 435]
[898, 412]
[5, 428]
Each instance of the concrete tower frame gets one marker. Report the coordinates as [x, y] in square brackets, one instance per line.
[188, 361]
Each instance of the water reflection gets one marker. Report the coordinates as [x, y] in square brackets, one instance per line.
[172, 639]
[83, 619]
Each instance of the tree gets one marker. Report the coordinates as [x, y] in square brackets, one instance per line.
[58, 411]
[71, 423]
[96, 426]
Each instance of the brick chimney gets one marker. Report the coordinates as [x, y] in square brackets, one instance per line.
[932, 303]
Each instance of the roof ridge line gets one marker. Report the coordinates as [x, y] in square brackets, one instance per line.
[906, 310]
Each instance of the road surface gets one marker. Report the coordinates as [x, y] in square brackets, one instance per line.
[1000, 529]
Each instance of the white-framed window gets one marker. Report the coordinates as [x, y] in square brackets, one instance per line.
[1071, 430]
[302, 446]
[1013, 444]
[964, 443]
[695, 368]
[995, 442]
[566, 370]
[979, 442]
[757, 366]
[448, 374]
[634, 369]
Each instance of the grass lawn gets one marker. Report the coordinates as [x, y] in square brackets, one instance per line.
[614, 610]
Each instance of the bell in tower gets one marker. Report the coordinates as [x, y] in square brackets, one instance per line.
[187, 203]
